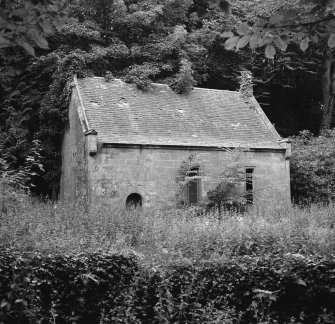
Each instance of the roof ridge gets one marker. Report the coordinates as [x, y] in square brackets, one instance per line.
[82, 113]
[164, 84]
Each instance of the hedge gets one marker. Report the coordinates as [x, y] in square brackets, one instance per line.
[97, 288]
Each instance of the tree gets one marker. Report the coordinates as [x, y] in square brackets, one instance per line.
[176, 42]
[302, 22]
[25, 23]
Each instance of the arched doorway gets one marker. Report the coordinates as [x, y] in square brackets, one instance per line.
[134, 200]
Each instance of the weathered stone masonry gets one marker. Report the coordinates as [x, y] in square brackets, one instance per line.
[120, 140]
[116, 172]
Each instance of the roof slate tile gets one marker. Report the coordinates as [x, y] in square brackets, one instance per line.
[123, 114]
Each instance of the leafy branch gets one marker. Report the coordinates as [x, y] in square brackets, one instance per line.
[25, 23]
[278, 31]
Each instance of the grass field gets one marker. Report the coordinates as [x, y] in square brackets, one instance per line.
[162, 235]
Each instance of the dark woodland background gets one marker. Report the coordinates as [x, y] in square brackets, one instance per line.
[178, 42]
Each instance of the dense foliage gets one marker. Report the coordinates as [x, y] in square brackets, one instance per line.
[180, 266]
[301, 22]
[312, 168]
[180, 43]
[61, 264]
[25, 23]
[31, 225]
[98, 288]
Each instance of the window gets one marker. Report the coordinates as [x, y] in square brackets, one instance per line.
[249, 185]
[193, 186]
[134, 200]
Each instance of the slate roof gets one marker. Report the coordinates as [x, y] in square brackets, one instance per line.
[123, 114]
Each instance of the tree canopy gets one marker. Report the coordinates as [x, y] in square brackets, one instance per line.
[303, 23]
[182, 43]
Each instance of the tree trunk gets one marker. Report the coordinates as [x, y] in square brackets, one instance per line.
[328, 90]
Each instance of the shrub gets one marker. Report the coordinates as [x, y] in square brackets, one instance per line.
[184, 80]
[228, 191]
[16, 183]
[312, 168]
[62, 264]
[101, 288]
[62, 288]
[140, 75]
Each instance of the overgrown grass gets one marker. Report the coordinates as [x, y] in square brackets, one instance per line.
[166, 235]
[265, 266]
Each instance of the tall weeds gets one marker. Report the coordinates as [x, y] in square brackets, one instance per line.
[170, 234]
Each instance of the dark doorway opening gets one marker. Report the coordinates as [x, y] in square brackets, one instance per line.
[134, 200]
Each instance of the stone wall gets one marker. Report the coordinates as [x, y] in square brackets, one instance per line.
[116, 172]
[74, 177]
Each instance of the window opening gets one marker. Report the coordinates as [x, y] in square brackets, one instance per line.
[134, 200]
[249, 185]
[193, 186]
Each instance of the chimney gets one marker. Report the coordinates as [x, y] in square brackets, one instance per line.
[287, 144]
[246, 90]
[92, 142]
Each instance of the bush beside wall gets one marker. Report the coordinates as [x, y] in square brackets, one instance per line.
[312, 168]
[97, 288]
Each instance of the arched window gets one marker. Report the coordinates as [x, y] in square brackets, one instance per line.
[134, 200]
